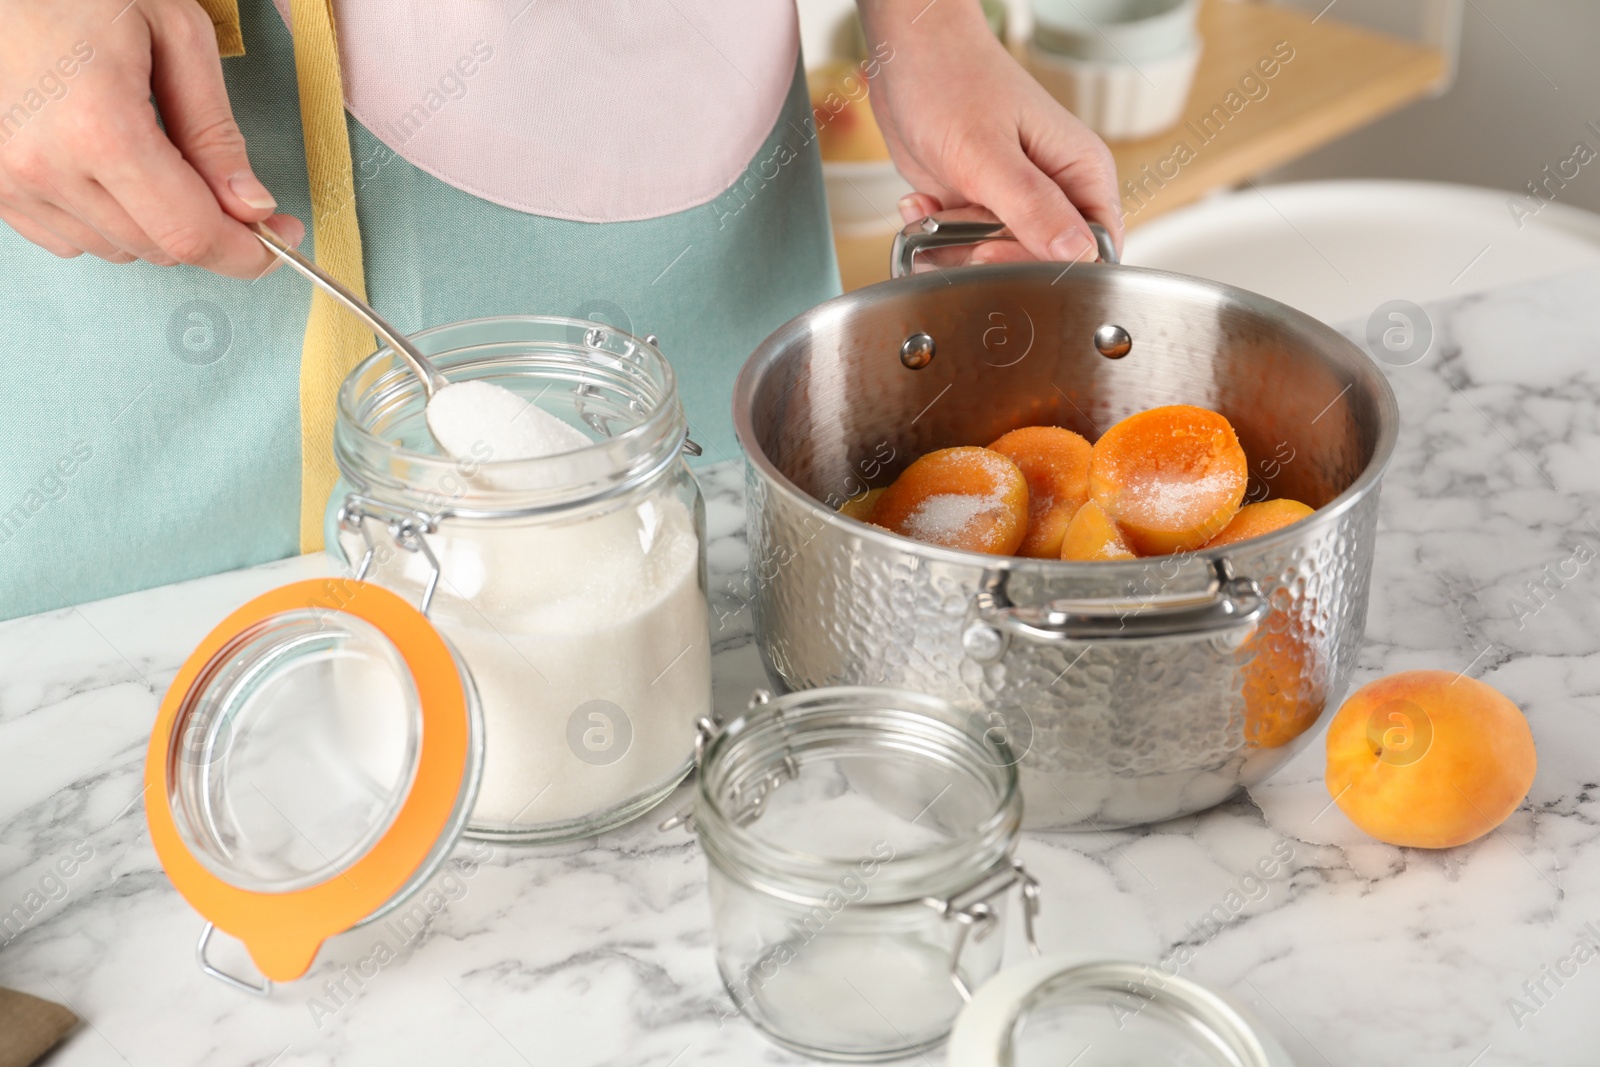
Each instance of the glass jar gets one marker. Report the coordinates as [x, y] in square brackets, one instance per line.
[572, 586]
[859, 844]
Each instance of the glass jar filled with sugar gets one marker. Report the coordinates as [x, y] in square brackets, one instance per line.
[557, 536]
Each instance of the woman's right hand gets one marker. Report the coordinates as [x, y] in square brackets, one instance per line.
[84, 164]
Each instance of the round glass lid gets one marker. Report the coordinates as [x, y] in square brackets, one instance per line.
[294, 751]
[310, 765]
[1106, 1013]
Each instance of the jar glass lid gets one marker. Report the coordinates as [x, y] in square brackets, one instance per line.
[1093, 1012]
[296, 750]
[314, 759]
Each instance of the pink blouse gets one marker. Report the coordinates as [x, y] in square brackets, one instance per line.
[591, 110]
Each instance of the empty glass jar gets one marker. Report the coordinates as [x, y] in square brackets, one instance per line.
[859, 844]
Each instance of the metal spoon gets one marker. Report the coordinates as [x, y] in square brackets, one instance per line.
[432, 380]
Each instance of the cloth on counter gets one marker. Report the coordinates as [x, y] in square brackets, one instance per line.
[30, 1027]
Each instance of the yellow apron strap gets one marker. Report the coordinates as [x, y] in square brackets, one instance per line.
[335, 340]
[225, 18]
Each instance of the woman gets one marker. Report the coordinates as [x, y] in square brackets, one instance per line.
[651, 165]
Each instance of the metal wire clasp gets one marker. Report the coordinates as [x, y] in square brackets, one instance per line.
[262, 990]
[975, 916]
[706, 730]
[406, 529]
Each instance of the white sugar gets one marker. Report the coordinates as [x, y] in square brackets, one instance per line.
[485, 421]
[1173, 501]
[944, 518]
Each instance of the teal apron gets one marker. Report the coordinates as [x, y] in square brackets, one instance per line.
[152, 424]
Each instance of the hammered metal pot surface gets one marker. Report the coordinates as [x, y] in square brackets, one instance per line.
[1121, 730]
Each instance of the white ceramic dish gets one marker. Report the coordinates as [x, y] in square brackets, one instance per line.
[1114, 31]
[1120, 101]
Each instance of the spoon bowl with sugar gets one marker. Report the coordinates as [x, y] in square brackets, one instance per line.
[460, 415]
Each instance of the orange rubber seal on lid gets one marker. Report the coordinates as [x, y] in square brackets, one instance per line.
[283, 931]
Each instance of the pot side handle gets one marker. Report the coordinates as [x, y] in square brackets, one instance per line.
[1232, 606]
[952, 229]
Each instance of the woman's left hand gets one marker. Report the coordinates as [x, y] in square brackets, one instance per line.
[967, 125]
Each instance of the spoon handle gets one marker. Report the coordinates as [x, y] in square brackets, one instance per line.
[432, 380]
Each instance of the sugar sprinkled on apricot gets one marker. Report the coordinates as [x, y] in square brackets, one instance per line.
[1172, 477]
[967, 498]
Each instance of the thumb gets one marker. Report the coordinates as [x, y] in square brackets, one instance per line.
[186, 78]
[1034, 207]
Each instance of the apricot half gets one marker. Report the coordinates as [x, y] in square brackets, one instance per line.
[967, 498]
[1055, 463]
[860, 507]
[1429, 759]
[1259, 518]
[1172, 477]
[1092, 535]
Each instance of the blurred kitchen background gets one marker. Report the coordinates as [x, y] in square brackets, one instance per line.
[1487, 102]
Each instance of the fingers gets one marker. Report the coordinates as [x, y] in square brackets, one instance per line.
[169, 200]
[100, 174]
[914, 206]
[39, 235]
[88, 202]
[291, 230]
[189, 185]
[68, 216]
[186, 78]
[1077, 162]
[1028, 201]
[58, 198]
[51, 211]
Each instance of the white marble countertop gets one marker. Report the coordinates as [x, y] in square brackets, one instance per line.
[598, 953]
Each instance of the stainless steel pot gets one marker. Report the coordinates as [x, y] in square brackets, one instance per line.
[1134, 692]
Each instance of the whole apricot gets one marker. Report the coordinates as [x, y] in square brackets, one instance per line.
[1429, 759]
[846, 129]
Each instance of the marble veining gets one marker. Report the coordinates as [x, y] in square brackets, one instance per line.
[597, 953]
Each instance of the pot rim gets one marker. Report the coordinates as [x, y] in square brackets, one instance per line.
[766, 355]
